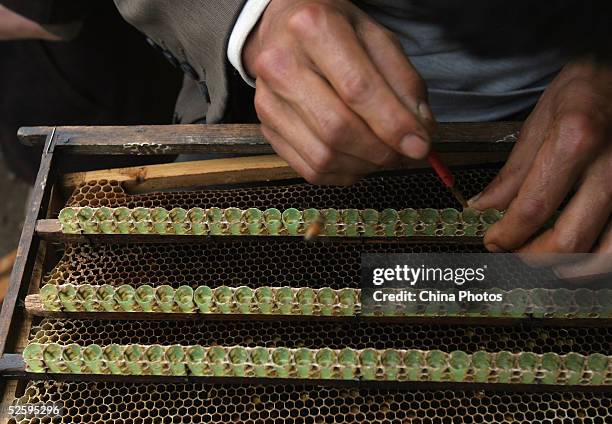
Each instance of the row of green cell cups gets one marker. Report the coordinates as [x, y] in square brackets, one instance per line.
[344, 364]
[234, 221]
[516, 303]
[206, 300]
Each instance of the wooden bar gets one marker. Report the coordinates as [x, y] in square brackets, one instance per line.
[34, 307]
[12, 366]
[50, 230]
[27, 252]
[148, 178]
[237, 138]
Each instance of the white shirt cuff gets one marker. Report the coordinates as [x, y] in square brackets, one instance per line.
[250, 14]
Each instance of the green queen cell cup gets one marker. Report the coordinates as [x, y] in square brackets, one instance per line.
[183, 296]
[504, 365]
[71, 355]
[106, 297]
[154, 357]
[273, 221]
[145, 297]
[436, 365]
[326, 360]
[85, 296]
[92, 358]
[217, 358]
[574, 366]
[327, 299]
[52, 356]
[391, 361]
[348, 359]
[239, 361]
[304, 361]
[284, 300]
[48, 296]
[281, 357]
[175, 356]
[528, 363]
[260, 356]
[244, 299]
[481, 363]
[33, 357]
[369, 362]
[292, 221]
[414, 363]
[203, 297]
[264, 297]
[196, 361]
[459, 362]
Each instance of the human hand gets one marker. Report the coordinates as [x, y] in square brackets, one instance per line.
[16, 27]
[335, 93]
[565, 143]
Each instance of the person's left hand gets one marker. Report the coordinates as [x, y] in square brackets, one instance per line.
[566, 143]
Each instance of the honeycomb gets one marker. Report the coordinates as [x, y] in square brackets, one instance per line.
[334, 335]
[121, 403]
[295, 264]
[416, 190]
[252, 263]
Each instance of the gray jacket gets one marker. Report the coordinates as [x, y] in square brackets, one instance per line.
[194, 35]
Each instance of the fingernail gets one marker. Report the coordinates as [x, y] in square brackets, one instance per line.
[474, 199]
[414, 146]
[493, 248]
[425, 111]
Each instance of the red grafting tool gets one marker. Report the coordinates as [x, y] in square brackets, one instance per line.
[446, 176]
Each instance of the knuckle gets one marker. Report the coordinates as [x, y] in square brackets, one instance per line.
[312, 176]
[262, 106]
[323, 161]
[355, 88]
[530, 210]
[273, 64]
[333, 128]
[566, 242]
[307, 19]
[577, 132]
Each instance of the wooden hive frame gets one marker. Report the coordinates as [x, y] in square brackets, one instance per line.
[459, 144]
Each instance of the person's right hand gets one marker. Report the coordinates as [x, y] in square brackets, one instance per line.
[335, 93]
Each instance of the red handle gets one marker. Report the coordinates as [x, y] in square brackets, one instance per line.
[441, 169]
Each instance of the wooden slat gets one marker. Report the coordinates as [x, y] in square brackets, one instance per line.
[27, 252]
[237, 138]
[50, 230]
[142, 179]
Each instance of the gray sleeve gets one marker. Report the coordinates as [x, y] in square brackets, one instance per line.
[195, 32]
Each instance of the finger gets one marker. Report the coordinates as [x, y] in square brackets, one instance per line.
[597, 264]
[331, 120]
[280, 117]
[349, 69]
[284, 150]
[503, 189]
[389, 57]
[558, 164]
[583, 219]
